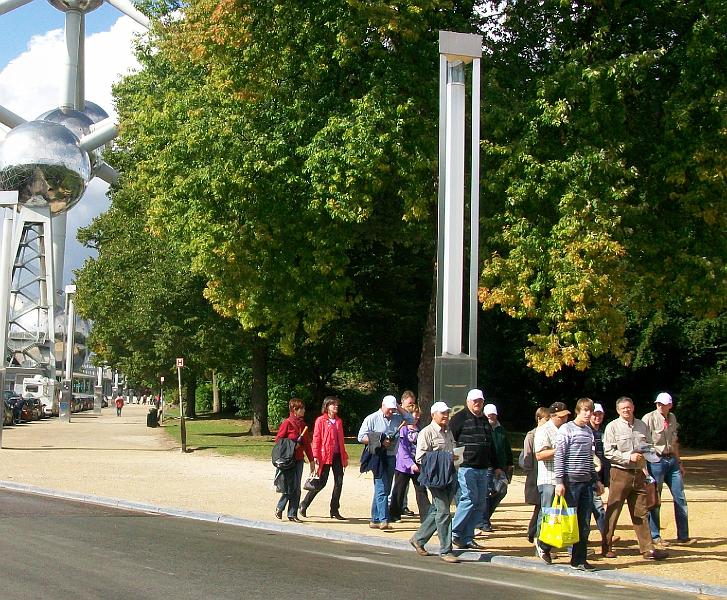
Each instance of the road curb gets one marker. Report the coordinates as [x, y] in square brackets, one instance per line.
[380, 542]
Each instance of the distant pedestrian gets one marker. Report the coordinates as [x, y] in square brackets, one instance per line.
[119, 403]
[670, 470]
[329, 453]
[294, 428]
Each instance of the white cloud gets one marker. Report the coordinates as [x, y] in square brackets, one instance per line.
[30, 84]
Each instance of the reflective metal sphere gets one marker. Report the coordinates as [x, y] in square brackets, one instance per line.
[78, 122]
[95, 112]
[43, 162]
[84, 6]
[80, 339]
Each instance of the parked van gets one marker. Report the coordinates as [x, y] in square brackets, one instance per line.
[43, 389]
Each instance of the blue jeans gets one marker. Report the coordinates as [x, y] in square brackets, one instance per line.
[438, 519]
[579, 495]
[547, 493]
[667, 471]
[382, 489]
[472, 502]
[599, 513]
[292, 499]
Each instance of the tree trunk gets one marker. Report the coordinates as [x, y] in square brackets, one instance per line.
[190, 409]
[260, 388]
[216, 404]
[425, 373]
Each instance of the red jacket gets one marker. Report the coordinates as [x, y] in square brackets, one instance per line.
[291, 428]
[324, 440]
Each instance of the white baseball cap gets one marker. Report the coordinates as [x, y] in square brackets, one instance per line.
[597, 407]
[490, 409]
[440, 407]
[663, 398]
[475, 394]
[388, 402]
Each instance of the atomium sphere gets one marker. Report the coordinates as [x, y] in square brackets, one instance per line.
[95, 112]
[84, 6]
[80, 339]
[43, 162]
[78, 122]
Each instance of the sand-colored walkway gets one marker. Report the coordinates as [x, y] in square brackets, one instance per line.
[122, 458]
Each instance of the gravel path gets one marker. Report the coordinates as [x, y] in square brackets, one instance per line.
[122, 458]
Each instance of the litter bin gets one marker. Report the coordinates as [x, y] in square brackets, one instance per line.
[152, 418]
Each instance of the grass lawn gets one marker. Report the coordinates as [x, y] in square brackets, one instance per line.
[230, 436]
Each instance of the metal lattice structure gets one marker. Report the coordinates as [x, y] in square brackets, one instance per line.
[48, 162]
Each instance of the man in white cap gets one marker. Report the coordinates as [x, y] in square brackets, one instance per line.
[663, 427]
[497, 486]
[603, 469]
[436, 436]
[381, 430]
[471, 431]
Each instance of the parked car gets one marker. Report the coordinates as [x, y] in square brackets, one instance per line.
[32, 409]
[15, 402]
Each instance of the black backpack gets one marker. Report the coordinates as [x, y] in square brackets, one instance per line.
[284, 454]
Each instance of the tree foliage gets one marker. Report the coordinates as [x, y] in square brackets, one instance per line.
[277, 142]
[146, 306]
[605, 144]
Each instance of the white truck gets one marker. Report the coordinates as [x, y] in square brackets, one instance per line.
[43, 388]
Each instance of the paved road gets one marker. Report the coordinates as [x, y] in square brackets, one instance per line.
[55, 549]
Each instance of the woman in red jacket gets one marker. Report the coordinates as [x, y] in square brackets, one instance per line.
[294, 428]
[329, 451]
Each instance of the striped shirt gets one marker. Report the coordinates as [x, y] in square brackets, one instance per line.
[574, 454]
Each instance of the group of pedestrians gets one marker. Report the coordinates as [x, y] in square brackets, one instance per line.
[466, 457]
[579, 461]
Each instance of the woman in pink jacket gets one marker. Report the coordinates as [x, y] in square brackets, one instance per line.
[329, 451]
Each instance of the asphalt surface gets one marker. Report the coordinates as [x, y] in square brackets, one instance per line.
[52, 548]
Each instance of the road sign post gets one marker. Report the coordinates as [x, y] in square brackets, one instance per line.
[161, 399]
[182, 426]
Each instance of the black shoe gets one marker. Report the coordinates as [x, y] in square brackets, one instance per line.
[278, 513]
[408, 513]
[337, 515]
[301, 509]
[584, 567]
[294, 519]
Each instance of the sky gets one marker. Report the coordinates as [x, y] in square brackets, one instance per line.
[31, 71]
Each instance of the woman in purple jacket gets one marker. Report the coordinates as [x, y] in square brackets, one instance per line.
[407, 470]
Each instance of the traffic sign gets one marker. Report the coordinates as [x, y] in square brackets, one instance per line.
[180, 363]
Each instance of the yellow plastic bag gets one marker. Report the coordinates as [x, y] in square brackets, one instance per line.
[559, 527]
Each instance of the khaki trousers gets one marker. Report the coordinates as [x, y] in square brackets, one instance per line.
[628, 486]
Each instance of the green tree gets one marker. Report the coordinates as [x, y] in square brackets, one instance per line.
[605, 150]
[146, 306]
[277, 143]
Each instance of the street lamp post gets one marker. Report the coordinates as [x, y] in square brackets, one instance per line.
[7, 200]
[455, 371]
[64, 416]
